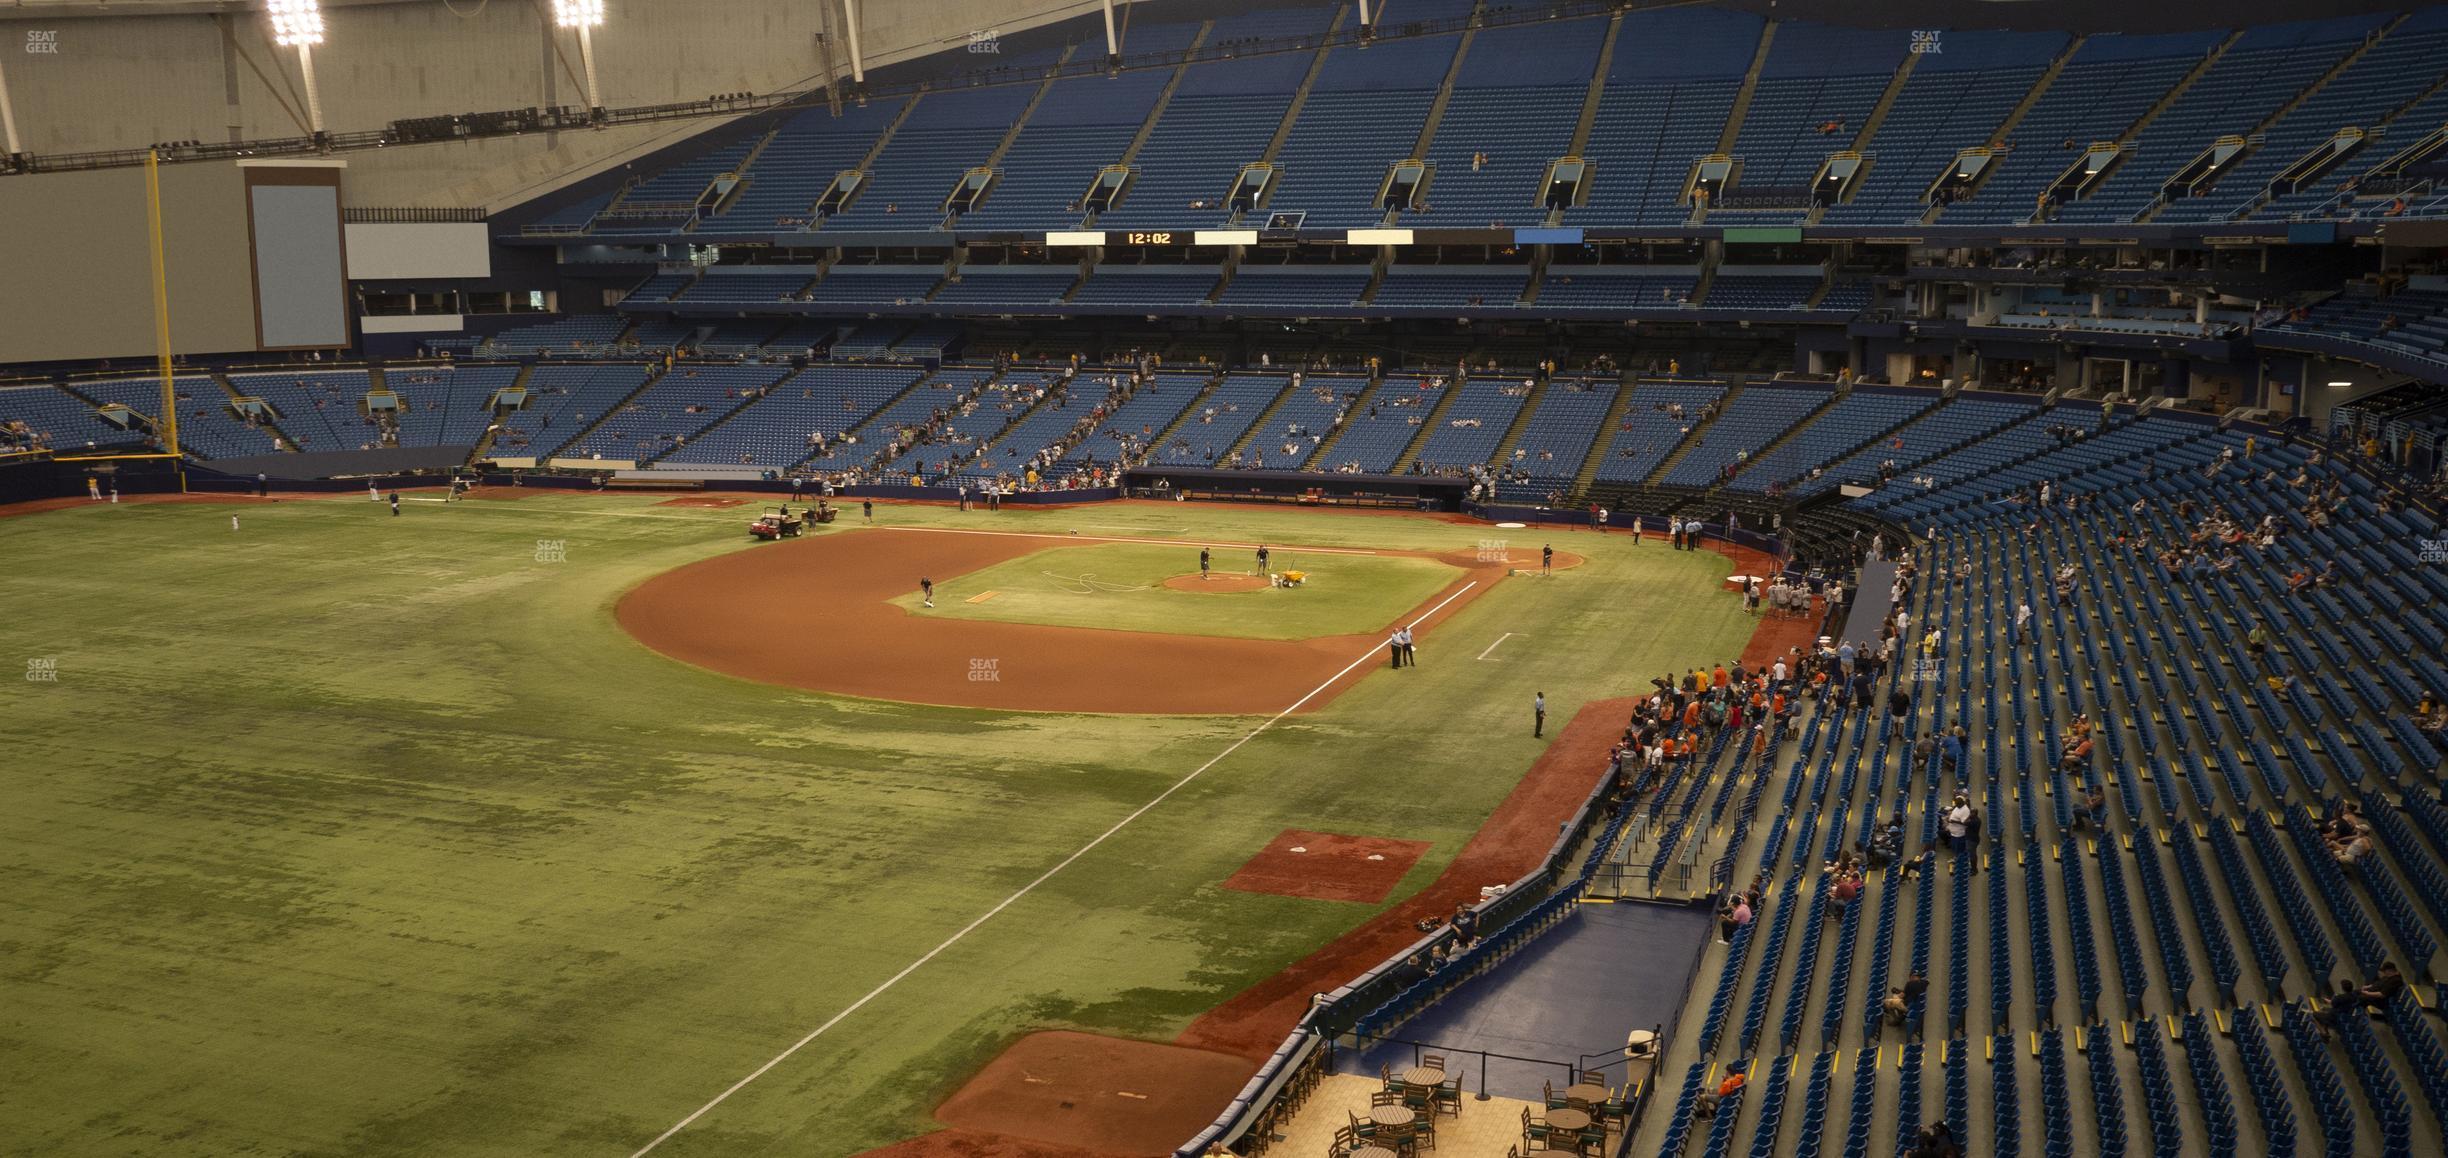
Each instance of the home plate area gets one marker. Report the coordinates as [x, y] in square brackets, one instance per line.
[1328, 866]
[1091, 1093]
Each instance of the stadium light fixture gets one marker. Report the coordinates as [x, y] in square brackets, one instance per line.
[298, 24]
[585, 16]
[578, 13]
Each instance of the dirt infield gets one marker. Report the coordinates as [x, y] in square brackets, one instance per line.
[1517, 559]
[1215, 584]
[1102, 1095]
[714, 501]
[1328, 866]
[811, 613]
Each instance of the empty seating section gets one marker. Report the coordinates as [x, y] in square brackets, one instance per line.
[2263, 70]
[1853, 420]
[1955, 99]
[62, 422]
[1515, 105]
[665, 201]
[1082, 125]
[1516, 101]
[875, 284]
[1008, 285]
[1134, 425]
[779, 429]
[318, 411]
[2110, 82]
[1669, 88]
[926, 340]
[582, 335]
[1220, 118]
[1815, 90]
[1615, 287]
[1845, 297]
[655, 337]
[2397, 69]
[1468, 432]
[1364, 113]
[660, 287]
[207, 426]
[1756, 417]
[1654, 423]
[793, 170]
[740, 339]
[1450, 285]
[748, 284]
[1149, 286]
[1295, 286]
[1304, 419]
[949, 133]
[869, 340]
[1220, 420]
[686, 399]
[561, 401]
[1557, 438]
[1936, 432]
[2413, 321]
[1382, 428]
[446, 405]
[1760, 292]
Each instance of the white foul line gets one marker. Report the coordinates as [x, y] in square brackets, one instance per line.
[1492, 646]
[1369, 656]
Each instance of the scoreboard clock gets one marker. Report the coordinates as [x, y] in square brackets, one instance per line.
[1161, 238]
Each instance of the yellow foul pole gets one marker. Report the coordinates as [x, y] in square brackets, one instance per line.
[161, 314]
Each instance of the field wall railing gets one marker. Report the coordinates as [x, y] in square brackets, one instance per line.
[1374, 1003]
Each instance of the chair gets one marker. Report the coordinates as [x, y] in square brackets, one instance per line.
[1385, 1097]
[1447, 1097]
[1434, 1061]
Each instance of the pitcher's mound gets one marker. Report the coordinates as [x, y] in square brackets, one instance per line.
[1107, 1095]
[1216, 584]
[1328, 866]
[715, 501]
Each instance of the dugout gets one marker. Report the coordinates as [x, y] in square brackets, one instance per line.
[1398, 491]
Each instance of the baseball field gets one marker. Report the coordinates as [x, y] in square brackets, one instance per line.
[582, 825]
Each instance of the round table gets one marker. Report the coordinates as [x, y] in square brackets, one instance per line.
[1568, 1119]
[1392, 1115]
[1423, 1076]
[1372, 1152]
[1586, 1093]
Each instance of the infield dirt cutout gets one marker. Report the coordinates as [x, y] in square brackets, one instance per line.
[1102, 1095]
[813, 613]
[1328, 866]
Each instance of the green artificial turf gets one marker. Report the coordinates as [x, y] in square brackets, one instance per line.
[1120, 586]
[345, 834]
